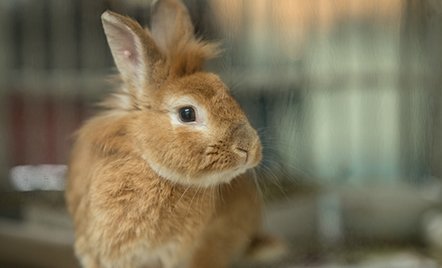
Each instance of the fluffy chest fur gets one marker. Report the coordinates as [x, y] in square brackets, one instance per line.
[151, 214]
[141, 204]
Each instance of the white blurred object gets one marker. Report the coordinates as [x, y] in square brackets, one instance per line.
[330, 219]
[399, 260]
[432, 230]
[38, 177]
[395, 260]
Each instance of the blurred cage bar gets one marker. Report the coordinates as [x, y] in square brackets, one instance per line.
[342, 91]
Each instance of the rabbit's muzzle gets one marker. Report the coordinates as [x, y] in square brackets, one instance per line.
[246, 144]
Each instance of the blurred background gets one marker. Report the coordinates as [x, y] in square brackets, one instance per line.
[346, 95]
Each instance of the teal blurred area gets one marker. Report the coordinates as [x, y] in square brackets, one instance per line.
[345, 94]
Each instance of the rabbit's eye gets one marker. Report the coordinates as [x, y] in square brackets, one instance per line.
[187, 114]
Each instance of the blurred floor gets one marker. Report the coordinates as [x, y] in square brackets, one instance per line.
[41, 237]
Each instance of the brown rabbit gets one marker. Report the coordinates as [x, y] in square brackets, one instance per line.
[159, 179]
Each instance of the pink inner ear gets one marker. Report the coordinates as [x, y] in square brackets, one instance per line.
[127, 54]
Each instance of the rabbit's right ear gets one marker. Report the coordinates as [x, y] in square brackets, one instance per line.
[133, 49]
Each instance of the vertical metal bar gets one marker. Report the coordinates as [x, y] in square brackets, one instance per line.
[93, 50]
[63, 35]
[412, 56]
[6, 63]
[64, 56]
[434, 40]
[33, 35]
[33, 64]
[6, 46]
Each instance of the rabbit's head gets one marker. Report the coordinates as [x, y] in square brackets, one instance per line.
[183, 121]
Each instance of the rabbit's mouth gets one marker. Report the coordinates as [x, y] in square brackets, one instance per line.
[249, 156]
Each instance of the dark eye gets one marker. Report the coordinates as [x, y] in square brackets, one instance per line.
[187, 114]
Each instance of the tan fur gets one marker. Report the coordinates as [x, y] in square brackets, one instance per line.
[146, 190]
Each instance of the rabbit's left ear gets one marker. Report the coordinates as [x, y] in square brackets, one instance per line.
[171, 24]
[134, 51]
[173, 32]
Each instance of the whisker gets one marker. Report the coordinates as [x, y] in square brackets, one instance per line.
[256, 181]
[221, 196]
[184, 192]
[273, 179]
[193, 197]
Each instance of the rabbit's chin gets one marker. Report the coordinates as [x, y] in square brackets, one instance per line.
[207, 179]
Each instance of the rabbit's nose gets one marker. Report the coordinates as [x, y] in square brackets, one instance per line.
[243, 138]
[241, 135]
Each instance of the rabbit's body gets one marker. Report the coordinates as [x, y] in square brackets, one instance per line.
[128, 216]
[159, 179]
